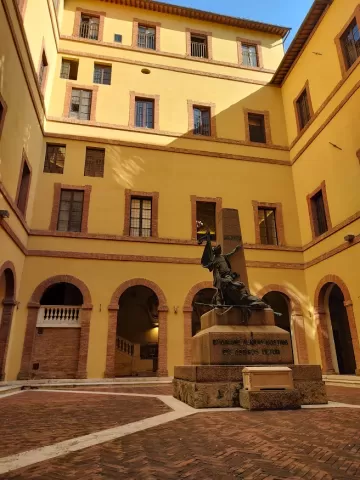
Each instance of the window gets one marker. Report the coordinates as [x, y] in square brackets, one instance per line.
[24, 186]
[117, 38]
[146, 37]
[102, 74]
[94, 162]
[202, 124]
[69, 69]
[350, 43]
[3, 108]
[249, 55]
[43, 69]
[80, 106]
[319, 213]
[199, 46]
[267, 225]
[140, 217]
[303, 109]
[89, 27]
[257, 131]
[144, 113]
[70, 211]
[54, 158]
[206, 219]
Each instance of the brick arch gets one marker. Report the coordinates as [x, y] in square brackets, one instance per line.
[322, 326]
[43, 286]
[112, 325]
[30, 334]
[8, 303]
[297, 319]
[187, 310]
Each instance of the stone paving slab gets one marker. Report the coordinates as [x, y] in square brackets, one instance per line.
[306, 444]
[147, 390]
[349, 395]
[33, 419]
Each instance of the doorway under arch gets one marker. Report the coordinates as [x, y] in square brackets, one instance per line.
[137, 333]
[7, 304]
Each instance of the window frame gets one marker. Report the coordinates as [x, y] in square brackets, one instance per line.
[70, 210]
[56, 208]
[132, 111]
[345, 70]
[70, 61]
[191, 124]
[102, 170]
[279, 223]
[102, 66]
[267, 126]
[313, 221]
[193, 201]
[3, 114]
[68, 97]
[92, 13]
[137, 22]
[154, 196]
[48, 145]
[43, 69]
[199, 33]
[24, 162]
[305, 89]
[141, 200]
[145, 102]
[250, 42]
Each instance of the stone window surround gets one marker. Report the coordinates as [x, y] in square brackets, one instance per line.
[193, 200]
[45, 77]
[2, 119]
[154, 210]
[344, 69]
[77, 21]
[68, 92]
[146, 23]
[307, 89]
[322, 188]
[266, 114]
[132, 109]
[23, 161]
[208, 35]
[56, 205]
[278, 219]
[191, 105]
[255, 43]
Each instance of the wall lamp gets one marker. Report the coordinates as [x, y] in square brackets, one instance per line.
[4, 214]
[349, 238]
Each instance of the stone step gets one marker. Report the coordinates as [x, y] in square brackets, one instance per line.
[5, 390]
[342, 380]
[60, 383]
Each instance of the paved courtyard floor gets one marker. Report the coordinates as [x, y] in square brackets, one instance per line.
[142, 433]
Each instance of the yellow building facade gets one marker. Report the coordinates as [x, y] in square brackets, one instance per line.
[124, 129]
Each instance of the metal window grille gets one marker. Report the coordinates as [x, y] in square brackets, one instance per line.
[319, 214]
[147, 37]
[89, 27]
[43, 67]
[202, 125]
[206, 218]
[80, 104]
[249, 55]
[24, 188]
[144, 113]
[257, 130]
[70, 211]
[69, 69]
[54, 158]
[102, 74]
[351, 44]
[267, 225]
[94, 162]
[199, 47]
[303, 109]
[140, 217]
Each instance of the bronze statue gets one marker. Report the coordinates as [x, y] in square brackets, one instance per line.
[230, 291]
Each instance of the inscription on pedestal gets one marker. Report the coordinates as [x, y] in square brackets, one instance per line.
[258, 346]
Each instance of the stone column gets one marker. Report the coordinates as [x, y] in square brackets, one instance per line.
[324, 343]
[84, 341]
[162, 340]
[25, 368]
[5, 327]
[111, 342]
[300, 337]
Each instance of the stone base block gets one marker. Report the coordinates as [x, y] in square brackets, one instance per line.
[270, 399]
[207, 395]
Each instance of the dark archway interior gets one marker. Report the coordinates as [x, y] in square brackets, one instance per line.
[203, 296]
[7, 285]
[279, 303]
[341, 332]
[62, 294]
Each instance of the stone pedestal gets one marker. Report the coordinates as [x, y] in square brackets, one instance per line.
[270, 400]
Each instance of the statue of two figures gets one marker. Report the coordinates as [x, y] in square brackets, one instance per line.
[230, 291]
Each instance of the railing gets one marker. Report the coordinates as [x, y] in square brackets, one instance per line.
[124, 346]
[59, 316]
[203, 129]
[146, 40]
[89, 30]
[199, 50]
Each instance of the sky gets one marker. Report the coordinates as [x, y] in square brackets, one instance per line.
[288, 13]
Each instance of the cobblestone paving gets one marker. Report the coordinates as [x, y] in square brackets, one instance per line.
[321, 444]
[151, 390]
[344, 395]
[34, 419]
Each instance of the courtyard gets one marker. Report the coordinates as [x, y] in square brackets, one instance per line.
[141, 432]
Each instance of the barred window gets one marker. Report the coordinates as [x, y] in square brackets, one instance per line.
[257, 132]
[249, 55]
[54, 158]
[267, 224]
[319, 214]
[202, 124]
[102, 74]
[80, 106]
[303, 109]
[140, 217]
[89, 27]
[70, 211]
[94, 162]
[69, 69]
[206, 219]
[350, 42]
[199, 46]
[146, 37]
[144, 113]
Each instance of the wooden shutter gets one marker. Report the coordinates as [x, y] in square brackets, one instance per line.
[54, 158]
[94, 162]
